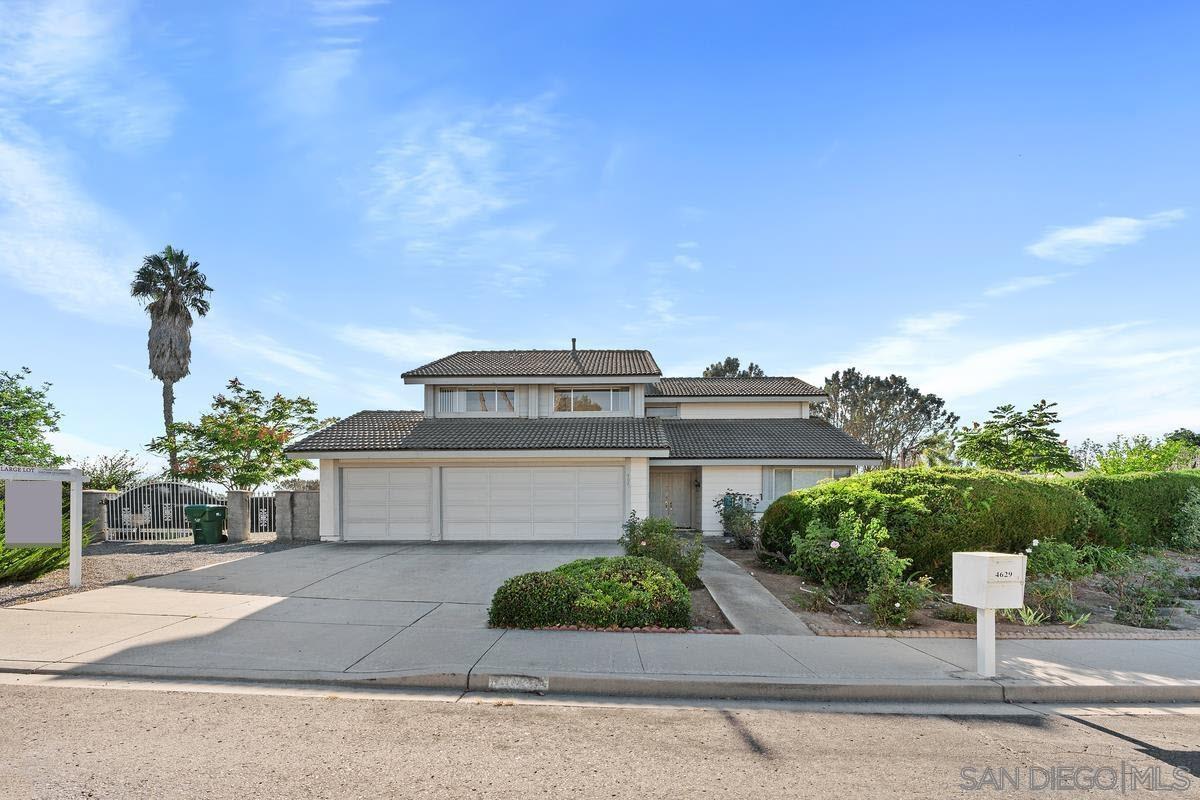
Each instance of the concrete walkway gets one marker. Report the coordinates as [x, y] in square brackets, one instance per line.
[745, 603]
[416, 616]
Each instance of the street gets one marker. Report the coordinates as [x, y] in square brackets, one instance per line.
[79, 738]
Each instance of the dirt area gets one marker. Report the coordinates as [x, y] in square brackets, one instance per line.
[108, 563]
[855, 620]
[706, 613]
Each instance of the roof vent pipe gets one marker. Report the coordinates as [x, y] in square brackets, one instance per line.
[572, 344]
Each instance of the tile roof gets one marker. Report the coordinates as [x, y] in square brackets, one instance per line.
[761, 438]
[538, 364]
[732, 387]
[685, 438]
[410, 430]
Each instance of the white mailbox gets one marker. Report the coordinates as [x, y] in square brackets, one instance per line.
[989, 580]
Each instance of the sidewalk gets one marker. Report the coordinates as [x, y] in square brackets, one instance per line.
[144, 631]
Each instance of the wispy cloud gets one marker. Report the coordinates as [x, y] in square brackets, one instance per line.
[1024, 284]
[58, 244]
[1085, 243]
[449, 186]
[931, 324]
[409, 346]
[443, 169]
[688, 262]
[77, 57]
[252, 349]
[313, 76]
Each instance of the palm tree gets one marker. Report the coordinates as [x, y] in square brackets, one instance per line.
[172, 287]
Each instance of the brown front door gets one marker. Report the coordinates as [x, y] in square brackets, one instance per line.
[671, 495]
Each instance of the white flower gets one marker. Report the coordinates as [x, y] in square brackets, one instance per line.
[897, 605]
[835, 544]
[1028, 549]
[1036, 542]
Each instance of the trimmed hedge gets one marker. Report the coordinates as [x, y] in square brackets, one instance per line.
[623, 592]
[930, 513]
[1139, 508]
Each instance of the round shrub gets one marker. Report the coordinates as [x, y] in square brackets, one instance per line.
[534, 600]
[846, 560]
[931, 512]
[628, 592]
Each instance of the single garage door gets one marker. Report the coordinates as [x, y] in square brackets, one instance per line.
[582, 503]
[380, 504]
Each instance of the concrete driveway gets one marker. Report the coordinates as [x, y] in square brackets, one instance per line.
[395, 609]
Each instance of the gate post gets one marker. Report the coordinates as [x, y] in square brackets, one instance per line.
[95, 511]
[237, 515]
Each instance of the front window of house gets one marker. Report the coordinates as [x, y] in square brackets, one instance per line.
[477, 401]
[789, 479]
[606, 399]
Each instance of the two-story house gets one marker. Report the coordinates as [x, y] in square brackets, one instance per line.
[563, 445]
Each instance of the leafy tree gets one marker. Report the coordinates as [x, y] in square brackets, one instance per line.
[886, 414]
[1185, 435]
[114, 471]
[172, 286]
[936, 451]
[732, 368]
[239, 444]
[1138, 454]
[26, 416]
[1018, 441]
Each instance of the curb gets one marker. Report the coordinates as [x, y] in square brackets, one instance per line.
[699, 687]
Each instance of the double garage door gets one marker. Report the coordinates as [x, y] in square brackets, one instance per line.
[482, 503]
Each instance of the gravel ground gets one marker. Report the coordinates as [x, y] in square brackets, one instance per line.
[109, 743]
[107, 563]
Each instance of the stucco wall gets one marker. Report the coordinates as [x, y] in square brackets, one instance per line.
[639, 486]
[714, 481]
[739, 410]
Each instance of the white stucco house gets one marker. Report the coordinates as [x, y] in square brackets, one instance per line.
[563, 444]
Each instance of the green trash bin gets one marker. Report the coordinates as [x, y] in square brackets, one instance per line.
[208, 523]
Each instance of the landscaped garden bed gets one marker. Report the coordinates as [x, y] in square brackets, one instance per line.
[655, 588]
[1108, 557]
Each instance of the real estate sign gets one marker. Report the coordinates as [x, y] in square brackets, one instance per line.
[32, 513]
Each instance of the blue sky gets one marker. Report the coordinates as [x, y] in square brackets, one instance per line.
[997, 201]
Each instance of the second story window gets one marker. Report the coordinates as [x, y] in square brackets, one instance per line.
[607, 399]
[477, 401]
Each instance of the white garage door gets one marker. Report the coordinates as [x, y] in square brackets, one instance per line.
[533, 503]
[379, 504]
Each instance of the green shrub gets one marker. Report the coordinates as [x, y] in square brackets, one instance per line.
[932, 512]
[655, 537]
[955, 612]
[893, 601]
[1141, 587]
[848, 558]
[736, 510]
[1053, 597]
[626, 592]
[1052, 558]
[1187, 523]
[1140, 508]
[28, 563]
[534, 600]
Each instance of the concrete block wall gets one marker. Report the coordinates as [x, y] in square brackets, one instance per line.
[298, 515]
[95, 511]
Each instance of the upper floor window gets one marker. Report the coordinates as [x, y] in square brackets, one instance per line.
[478, 401]
[607, 399]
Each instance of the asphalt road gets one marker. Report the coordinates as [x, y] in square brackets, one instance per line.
[115, 743]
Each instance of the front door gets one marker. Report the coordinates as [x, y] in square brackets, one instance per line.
[671, 495]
